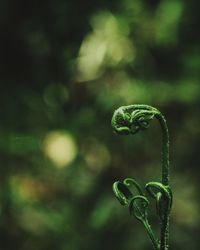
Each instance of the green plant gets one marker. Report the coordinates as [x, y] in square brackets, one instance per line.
[130, 120]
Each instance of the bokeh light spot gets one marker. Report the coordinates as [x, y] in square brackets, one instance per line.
[107, 45]
[60, 148]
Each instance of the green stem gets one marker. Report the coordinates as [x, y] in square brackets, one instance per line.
[164, 244]
[151, 235]
[164, 238]
[165, 149]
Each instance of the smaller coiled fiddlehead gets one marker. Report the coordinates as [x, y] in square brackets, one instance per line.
[130, 120]
[163, 197]
[137, 202]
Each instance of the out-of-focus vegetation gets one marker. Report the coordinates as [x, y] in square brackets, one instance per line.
[65, 66]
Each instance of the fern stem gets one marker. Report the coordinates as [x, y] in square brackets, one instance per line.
[164, 238]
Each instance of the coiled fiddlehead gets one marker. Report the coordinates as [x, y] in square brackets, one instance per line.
[130, 120]
[138, 203]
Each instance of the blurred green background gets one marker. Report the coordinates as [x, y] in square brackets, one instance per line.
[65, 67]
